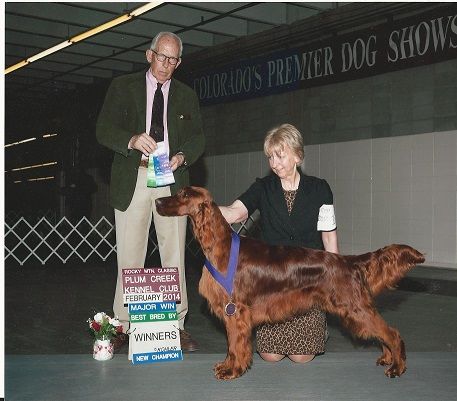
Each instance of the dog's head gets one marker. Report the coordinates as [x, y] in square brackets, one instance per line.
[197, 203]
[189, 201]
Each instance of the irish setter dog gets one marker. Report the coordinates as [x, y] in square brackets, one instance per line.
[274, 283]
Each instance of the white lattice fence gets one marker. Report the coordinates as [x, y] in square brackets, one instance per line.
[43, 239]
[13, 216]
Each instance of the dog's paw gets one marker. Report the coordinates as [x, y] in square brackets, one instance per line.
[223, 371]
[395, 371]
[384, 360]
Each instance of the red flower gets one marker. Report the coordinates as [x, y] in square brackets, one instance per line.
[95, 326]
[119, 329]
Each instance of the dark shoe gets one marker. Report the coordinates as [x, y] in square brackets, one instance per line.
[119, 341]
[187, 343]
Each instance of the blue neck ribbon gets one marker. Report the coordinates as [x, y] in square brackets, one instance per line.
[227, 280]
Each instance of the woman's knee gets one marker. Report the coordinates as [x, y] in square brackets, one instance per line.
[301, 358]
[271, 357]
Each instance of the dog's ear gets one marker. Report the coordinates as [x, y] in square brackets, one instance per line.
[203, 225]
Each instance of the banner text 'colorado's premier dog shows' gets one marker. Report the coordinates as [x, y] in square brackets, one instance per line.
[424, 39]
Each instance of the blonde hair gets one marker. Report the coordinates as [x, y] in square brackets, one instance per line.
[284, 135]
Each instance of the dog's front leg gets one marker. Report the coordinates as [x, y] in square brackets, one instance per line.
[239, 354]
[386, 358]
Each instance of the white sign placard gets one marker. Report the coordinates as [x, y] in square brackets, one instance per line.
[154, 342]
[151, 295]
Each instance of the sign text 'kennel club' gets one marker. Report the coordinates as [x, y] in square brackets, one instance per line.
[151, 295]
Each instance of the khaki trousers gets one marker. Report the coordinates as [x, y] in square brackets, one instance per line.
[132, 231]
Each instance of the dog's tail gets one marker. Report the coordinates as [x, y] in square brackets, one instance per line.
[388, 265]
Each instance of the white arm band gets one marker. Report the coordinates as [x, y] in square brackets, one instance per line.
[326, 220]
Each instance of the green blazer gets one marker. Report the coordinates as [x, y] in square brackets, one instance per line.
[124, 114]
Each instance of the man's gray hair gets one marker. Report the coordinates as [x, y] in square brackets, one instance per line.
[171, 35]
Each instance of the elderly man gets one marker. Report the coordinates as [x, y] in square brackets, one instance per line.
[141, 112]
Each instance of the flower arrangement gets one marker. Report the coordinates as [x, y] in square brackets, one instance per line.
[104, 327]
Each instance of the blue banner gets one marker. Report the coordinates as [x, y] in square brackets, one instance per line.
[152, 357]
[427, 38]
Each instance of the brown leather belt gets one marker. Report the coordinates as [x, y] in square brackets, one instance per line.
[144, 163]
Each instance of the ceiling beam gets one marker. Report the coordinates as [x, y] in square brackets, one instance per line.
[174, 25]
[188, 28]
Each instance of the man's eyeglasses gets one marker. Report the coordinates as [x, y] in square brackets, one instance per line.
[161, 57]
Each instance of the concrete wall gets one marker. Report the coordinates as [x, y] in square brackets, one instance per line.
[386, 190]
[386, 144]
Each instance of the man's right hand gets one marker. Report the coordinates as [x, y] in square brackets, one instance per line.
[143, 142]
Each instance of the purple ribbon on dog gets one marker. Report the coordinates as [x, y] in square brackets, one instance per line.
[227, 280]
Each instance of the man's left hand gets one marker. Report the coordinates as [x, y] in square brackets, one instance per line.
[176, 161]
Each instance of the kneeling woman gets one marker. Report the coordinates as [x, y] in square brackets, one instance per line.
[295, 210]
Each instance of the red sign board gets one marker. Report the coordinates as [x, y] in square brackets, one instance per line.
[152, 280]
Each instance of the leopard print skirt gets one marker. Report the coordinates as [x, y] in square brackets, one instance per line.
[302, 335]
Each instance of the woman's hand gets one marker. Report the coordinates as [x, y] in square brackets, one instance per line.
[235, 213]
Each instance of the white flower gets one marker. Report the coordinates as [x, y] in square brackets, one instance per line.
[114, 322]
[99, 317]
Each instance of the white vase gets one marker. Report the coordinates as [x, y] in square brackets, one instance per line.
[103, 350]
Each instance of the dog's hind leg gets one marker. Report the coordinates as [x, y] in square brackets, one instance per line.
[394, 353]
[239, 354]
[368, 323]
